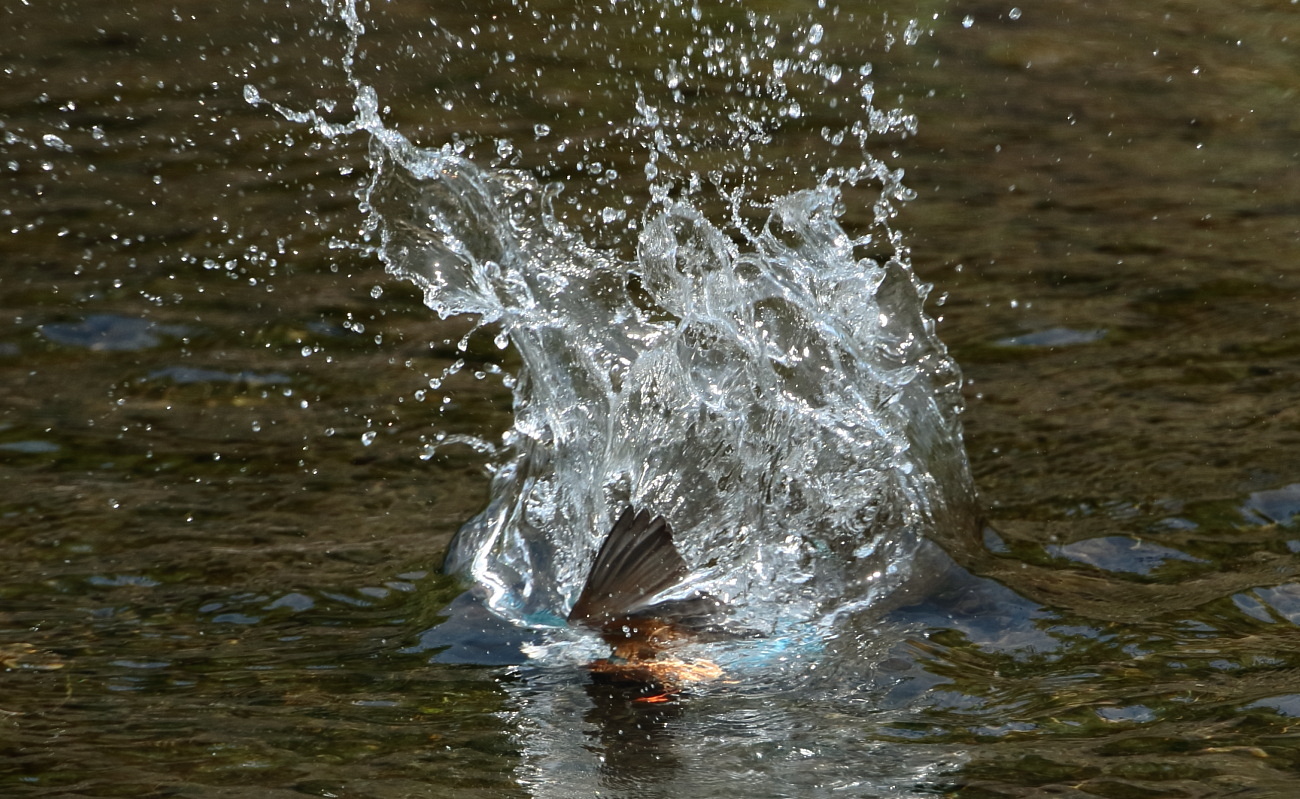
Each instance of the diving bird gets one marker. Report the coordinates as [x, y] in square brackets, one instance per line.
[637, 562]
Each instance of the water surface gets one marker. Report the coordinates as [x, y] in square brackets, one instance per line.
[225, 544]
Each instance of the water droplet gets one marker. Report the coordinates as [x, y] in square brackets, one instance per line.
[1014, 13]
[368, 437]
[55, 142]
[912, 34]
[967, 21]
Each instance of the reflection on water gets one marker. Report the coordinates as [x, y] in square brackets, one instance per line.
[221, 539]
[1279, 506]
[1054, 337]
[1120, 554]
[109, 332]
[730, 742]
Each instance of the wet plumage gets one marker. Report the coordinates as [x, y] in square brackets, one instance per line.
[637, 562]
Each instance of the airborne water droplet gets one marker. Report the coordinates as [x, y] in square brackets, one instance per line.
[56, 143]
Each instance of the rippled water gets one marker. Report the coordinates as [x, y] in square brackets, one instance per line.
[229, 484]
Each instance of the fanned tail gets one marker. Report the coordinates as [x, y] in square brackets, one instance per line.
[637, 561]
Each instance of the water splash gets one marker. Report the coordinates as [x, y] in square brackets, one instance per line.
[728, 355]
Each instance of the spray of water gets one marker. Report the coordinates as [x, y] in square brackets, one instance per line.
[721, 350]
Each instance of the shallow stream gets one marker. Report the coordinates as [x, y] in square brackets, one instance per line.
[235, 450]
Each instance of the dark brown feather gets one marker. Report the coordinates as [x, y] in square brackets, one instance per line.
[637, 561]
